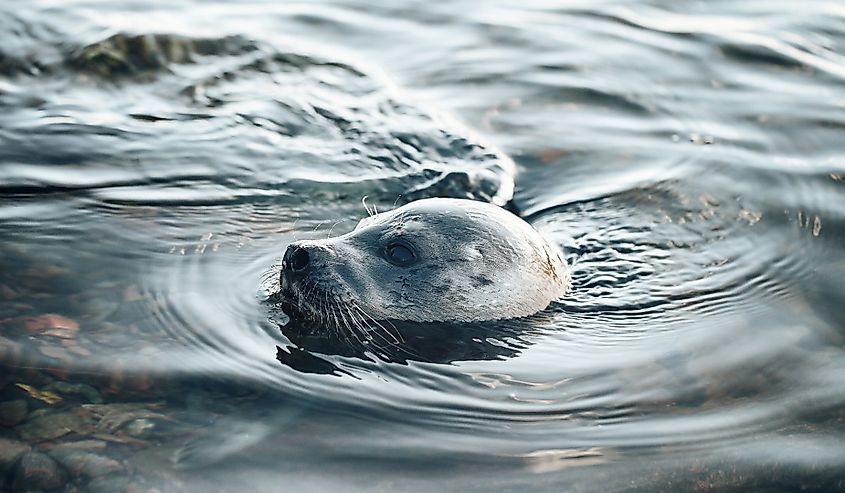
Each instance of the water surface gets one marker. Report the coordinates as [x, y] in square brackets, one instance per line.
[157, 157]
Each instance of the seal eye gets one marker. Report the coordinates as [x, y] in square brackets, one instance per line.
[400, 254]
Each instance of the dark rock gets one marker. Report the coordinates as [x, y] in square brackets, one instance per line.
[12, 413]
[37, 471]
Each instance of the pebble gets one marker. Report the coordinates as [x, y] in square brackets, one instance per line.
[84, 463]
[51, 425]
[139, 428]
[10, 450]
[12, 413]
[7, 293]
[87, 392]
[37, 471]
[60, 325]
[109, 484]
[81, 445]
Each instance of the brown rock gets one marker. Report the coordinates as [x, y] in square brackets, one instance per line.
[51, 322]
[12, 413]
[37, 471]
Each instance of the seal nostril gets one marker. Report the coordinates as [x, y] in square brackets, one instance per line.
[299, 259]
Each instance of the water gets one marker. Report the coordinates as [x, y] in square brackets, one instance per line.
[157, 157]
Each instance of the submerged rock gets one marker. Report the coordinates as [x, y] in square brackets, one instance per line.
[12, 413]
[56, 325]
[37, 471]
[110, 484]
[83, 463]
[52, 425]
[126, 54]
[87, 392]
[139, 428]
[10, 450]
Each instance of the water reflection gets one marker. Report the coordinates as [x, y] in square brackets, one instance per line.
[439, 343]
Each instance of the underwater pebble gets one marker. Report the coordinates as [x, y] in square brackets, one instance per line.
[4, 379]
[88, 392]
[83, 463]
[80, 445]
[55, 323]
[49, 426]
[79, 351]
[37, 471]
[109, 484]
[131, 294]
[99, 310]
[10, 450]
[7, 293]
[56, 352]
[12, 413]
[46, 271]
[139, 428]
[114, 416]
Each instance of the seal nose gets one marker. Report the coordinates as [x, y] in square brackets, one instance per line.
[299, 259]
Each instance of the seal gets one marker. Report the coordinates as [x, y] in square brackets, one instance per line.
[433, 260]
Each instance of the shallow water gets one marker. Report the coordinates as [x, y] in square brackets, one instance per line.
[157, 157]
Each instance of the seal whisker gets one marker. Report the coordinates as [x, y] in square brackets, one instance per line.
[367, 329]
[345, 328]
[344, 331]
[377, 324]
[334, 315]
[327, 303]
[397, 345]
[329, 235]
[366, 208]
[395, 334]
[310, 288]
[357, 329]
[339, 331]
[293, 227]
[333, 327]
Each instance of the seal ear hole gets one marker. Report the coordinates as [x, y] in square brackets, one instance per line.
[400, 253]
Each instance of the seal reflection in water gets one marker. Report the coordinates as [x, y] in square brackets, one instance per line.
[433, 260]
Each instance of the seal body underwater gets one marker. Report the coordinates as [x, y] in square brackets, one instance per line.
[432, 260]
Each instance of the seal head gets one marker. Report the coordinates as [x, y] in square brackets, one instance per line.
[433, 260]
